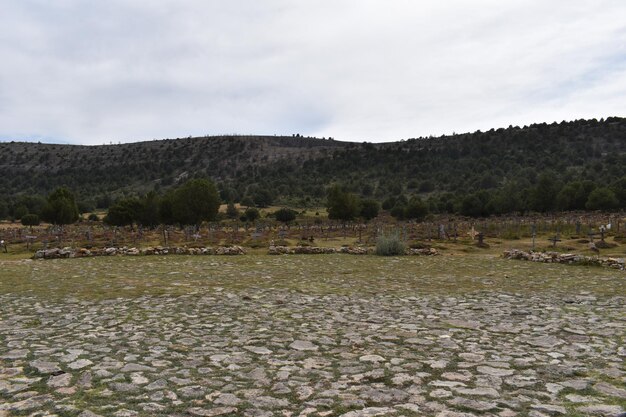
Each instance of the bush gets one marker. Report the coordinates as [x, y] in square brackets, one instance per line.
[93, 217]
[251, 214]
[30, 220]
[285, 215]
[389, 245]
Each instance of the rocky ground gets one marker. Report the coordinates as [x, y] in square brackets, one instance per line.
[275, 351]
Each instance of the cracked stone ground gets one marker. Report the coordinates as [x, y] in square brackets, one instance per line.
[310, 336]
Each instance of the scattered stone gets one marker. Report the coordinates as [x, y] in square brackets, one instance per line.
[44, 367]
[370, 412]
[471, 404]
[610, 390]
[227, 399]
[259, 350]
[58, 381]
[602, 410]
[552, 410]
[219, 411]
[80, 364]
[489, 370]
[88, 413]
[545, 341]
[134, 367]
[303, 345]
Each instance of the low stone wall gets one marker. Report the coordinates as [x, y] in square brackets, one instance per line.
[57, 253]
[564, 258]
[350, 250]
[423, 252]
[315, 250]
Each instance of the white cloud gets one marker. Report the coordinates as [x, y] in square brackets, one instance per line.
[91, 72]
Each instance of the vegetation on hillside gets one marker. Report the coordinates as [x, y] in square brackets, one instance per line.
[578, 165]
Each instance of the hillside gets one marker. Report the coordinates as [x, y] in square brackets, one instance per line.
[296, 170]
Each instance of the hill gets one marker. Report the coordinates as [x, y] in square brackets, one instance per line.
[507, 164]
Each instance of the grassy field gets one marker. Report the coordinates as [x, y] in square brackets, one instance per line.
[337, 274]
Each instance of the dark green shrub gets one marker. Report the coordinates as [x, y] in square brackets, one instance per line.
[30, 220]
[285, 215]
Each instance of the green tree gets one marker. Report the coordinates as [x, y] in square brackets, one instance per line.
[574, 195]
[262, 197]
[543, 195]
[476, 204]
[30, 220]
[166, 208]
[34, 203]
[196, 201]
[416, 209]
[247, 201]
[619, 189]
[61, 207]
[20, 211]
[149, 215]
[602, 198]
[369, 209]
[4, 210]
[342, 205]
[252, 214]
[285, 215]
[398, 211]
[231, 211]
[124, 212]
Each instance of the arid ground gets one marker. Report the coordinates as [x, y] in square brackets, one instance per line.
[328, 335]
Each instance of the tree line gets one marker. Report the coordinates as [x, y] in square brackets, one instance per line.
[198, 200]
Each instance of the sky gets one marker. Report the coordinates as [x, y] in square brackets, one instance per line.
[94, 72]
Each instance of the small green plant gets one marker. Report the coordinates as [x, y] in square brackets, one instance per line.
[389, 245]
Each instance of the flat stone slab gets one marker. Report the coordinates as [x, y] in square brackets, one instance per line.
[259, 350]
[80, 364]
[372, 358]
[45, 367]
[370, 412]
[303, 345]
[272, 351]
[489, 370]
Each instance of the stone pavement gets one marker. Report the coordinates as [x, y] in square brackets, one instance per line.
[268, 352]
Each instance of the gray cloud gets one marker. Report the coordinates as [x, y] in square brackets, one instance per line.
[92, 72]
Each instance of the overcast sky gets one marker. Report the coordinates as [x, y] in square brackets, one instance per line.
[90, 71]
